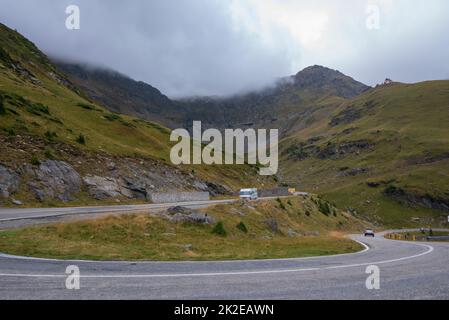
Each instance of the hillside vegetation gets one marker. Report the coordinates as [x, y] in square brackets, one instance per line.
[381, 152]
[384, 153]
[283, 228]
[49, 128]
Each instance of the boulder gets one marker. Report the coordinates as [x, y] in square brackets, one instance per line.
[182, 214]
[17, 202]
[9, 182]
[102, 188]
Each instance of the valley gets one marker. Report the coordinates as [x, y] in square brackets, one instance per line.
[380, 153]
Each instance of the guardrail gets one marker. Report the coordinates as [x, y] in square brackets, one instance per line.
[438, 238]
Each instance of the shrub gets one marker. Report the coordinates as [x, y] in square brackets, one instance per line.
[37, 109]
[242, 227]
[324, 208]
[50, 135]
[158, 127]
[281, 204]
[112, 117]
[116, 117]
[81, 139]
[219, 229]
[2, 107]
[10, 132]
[86, 106]
[289, 203]
[35, 161]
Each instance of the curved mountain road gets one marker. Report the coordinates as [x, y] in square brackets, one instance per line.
[9, 218]
[407, 271]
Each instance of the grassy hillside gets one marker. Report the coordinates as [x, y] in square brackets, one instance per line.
[294, 227]
[44, 116]
[119, 93]
[384, 153]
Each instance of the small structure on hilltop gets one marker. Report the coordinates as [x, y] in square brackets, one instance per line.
[387, 82]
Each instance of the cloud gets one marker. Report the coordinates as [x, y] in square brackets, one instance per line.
[208, 47]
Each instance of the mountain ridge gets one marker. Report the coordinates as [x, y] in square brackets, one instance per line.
[218, 112]
[378, 152]
[119, 93]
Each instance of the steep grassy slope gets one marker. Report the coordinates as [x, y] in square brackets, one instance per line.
[119, 93]
[385, 153]
[44, 116]
[270, 229]
[31, 80]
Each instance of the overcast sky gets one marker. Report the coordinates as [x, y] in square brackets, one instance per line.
[219, 47]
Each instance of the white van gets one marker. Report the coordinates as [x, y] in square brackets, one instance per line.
[249, 194]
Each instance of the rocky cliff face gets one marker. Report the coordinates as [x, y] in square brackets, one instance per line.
[77, 174]
[52, 180]
[9, 182]
[122, 180]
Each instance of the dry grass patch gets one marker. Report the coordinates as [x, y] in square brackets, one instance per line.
[147, 237]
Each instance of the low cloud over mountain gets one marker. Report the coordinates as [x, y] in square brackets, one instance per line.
[211, 47]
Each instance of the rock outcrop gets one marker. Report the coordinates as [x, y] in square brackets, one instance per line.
[101, 188]
[101, 176]
[182, 214]
[414, 199]
[53, 180]
[9, 182]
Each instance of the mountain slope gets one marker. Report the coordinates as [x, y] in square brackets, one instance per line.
[119, 93]
[385, 153]
[272, 107]
[58, 146]
[276, 106]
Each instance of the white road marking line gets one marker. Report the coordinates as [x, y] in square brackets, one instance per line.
[181, 275]
[9, 256]
[430, 250]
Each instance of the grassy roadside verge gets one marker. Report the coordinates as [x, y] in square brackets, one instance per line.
[281, 228]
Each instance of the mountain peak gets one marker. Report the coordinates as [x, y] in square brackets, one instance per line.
[318, 71]
[322, 78]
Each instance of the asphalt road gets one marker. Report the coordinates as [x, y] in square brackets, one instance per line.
[37, 213]
[407, 271]
[11, 218]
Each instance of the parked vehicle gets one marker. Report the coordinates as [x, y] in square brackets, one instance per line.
[249, 194]
[369, 233]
